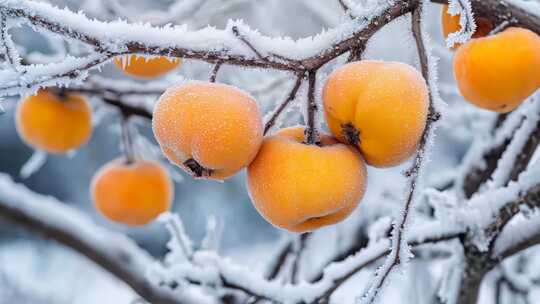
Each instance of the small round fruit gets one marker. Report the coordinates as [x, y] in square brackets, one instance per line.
[146, 67]
[451, 24]
[499, 72]
[54, 122]
[132, 193]
[210, 130]
[380, 107]
[301, 187]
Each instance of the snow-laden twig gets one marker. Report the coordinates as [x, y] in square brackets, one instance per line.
[209, 269]
[481, 160]
[7, 46]
[519, 151]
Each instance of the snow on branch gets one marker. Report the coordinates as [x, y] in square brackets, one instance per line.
[515, 138]
[122, 257]
[206, 268]
[109, 39]
[114, 252]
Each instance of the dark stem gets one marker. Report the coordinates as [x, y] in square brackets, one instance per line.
[196, 169]
[126, 109]
[311, 132]
[215, 70]
[127, 142]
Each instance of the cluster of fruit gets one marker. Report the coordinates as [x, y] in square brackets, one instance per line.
[376, 112]
[496, 72]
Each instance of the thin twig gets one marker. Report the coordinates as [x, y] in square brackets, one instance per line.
[214, 72]
[242, 38]
[127, 142]
[7, 43]
[282, 106]
[127, 109]
[311, 132]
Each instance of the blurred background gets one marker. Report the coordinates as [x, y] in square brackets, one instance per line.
[34, 270]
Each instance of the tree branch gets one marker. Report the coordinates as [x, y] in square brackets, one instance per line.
[113, 252]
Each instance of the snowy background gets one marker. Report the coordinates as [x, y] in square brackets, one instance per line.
[33, 270]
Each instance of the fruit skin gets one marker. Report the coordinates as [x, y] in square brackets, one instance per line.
[132, 194]
[380, 107]
[142, 67]
[302, 187]
[54, 123]
[210, 130]
[499, 72]
[450, 24]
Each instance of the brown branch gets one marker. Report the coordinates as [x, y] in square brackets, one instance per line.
[531, 199]
[215, 70]
[272, 61]
[126, 109]
[479, 175]
[311, 132]
[523, 159]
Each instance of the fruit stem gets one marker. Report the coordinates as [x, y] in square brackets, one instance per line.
[62, 94]
[127, 142]
[311, 132]
[351, 134]
[196, 169]
[214, 72]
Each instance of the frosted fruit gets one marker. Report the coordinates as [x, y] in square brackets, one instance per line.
[210, 130]
[380, 107]
[302, 187]
[499, 72]
[451, 24]
[54, 123]
[147, 67]
[132, 193]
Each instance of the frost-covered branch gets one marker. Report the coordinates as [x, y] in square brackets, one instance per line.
[114, 252]
[110, 39]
